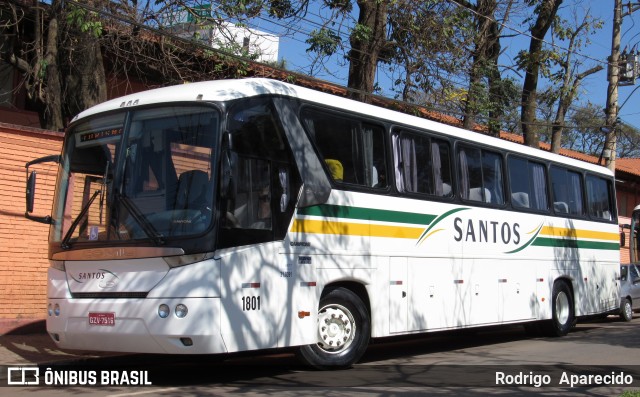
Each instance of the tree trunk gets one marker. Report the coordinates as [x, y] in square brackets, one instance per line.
[485, 10]
[546, 14]
[366, 48]
[92, 85]
[53, 86]
[568, 93]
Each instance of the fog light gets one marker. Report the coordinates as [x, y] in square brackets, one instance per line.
[163, 311]
[181, 310]
[186, 341]
[56, 310]
[50, 310]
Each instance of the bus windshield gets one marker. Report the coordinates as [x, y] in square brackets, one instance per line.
[137, 175]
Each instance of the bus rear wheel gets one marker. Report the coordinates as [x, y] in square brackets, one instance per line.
[343, 331]
[563, 315]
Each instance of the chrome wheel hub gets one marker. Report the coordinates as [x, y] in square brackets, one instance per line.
[562, 308]
[336, 328]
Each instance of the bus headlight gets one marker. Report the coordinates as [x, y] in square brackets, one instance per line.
[163, 311]
[50, 310]
[56, 310]
[181, 310]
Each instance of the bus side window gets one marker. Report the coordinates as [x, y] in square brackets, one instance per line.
[566, 190]
[422, 164]
[480, 175]
[352, 150]
[527, 180]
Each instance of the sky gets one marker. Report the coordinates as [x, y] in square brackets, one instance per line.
[594, 87]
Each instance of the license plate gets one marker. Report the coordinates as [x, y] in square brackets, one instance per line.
[106, 319]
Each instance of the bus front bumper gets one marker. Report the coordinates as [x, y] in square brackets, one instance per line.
[136, 326]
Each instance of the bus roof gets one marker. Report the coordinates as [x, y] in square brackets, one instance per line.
[225, 90]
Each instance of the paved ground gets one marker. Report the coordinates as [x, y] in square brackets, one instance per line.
[32, 345]
[415, 365]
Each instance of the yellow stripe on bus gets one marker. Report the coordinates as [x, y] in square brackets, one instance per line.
[354, 229]
[578, 233]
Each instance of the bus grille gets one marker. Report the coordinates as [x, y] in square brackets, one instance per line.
[109, 295]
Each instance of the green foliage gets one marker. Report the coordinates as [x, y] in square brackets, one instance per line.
[42, 71]
[631, 393]
[242, 8]
[361, 33]
[547, 58]
[280, 9]
[324, 42]
[344, 6]
[86, 21]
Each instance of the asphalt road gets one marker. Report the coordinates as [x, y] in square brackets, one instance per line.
[598, 358]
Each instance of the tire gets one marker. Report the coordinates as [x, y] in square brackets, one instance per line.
[626, 311]
[344, 329]
[563, 311]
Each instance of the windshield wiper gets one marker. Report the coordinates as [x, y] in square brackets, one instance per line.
[103, 188]
[67, 237]
[141, 220]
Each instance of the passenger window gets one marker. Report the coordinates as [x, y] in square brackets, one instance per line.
[352, 150]
[599, 202]
[480, 175]
[566, 190]
[528, 182]
[422, 164]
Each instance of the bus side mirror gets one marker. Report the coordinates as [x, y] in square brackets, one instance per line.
[31, 188]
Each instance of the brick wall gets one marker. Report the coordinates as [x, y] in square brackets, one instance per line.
[23, 243]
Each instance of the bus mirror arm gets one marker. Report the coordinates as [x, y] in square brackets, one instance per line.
[31, 188]
[225, 174]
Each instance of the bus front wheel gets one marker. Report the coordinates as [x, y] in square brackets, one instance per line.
[563, 315]
[343, 331]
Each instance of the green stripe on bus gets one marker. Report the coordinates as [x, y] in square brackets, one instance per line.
[569, 243]
[368, 214]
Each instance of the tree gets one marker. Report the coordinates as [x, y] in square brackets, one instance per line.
[486, 50]
[531, 62]
[368, 41]
[628, 142]
[568, 75]
[585, 134]
[429, 48]
[62, 64]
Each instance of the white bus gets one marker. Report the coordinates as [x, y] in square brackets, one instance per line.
[236, 215]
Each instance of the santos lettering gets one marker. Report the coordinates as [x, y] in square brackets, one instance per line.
[482, 231]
